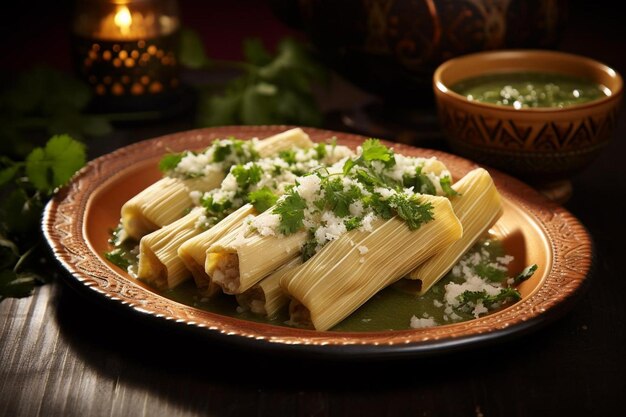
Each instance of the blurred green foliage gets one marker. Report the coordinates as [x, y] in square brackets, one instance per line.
[270, 88]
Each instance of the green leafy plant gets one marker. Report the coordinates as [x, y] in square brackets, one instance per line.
[42, 102]
[25, 187]
[269, 88]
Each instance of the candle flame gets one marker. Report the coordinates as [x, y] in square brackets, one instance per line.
[123, 20]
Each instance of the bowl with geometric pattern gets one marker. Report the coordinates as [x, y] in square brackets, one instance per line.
[541, 115]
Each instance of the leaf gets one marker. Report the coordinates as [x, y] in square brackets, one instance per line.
[262, 199]
[255, 53]
[373, 150]
[16, 285]
[446, 186]
[9, 253]
[258, 105]
[50, 167]
[293, 67]
[414, 212]
[489, 272]
[298, 109]
[170, 161]
[291, 212]
[525, 274]
[191, 53]
[24, 212]
[7, 174]
[216, 110]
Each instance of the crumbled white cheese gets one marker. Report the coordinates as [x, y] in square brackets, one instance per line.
[363, 249]
[309, 187]
[419, 323]
[266, 224]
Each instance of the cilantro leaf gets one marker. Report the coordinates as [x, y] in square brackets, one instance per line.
[270, 88]
[446, 186]
[170, 161]
[52, 166]
[7, 174]
[221, 151]
[505, 294]
[411, 210]
[16, 285]
[9, 253]
[247, 176]
[309, 248]
[352, 223]
[336, 198]
[291, 212]
[116, 257]
[525, 274]
[288, 156]
[320, 151]
[373, 150]
[191, 50]
[255, 52]
[489, 272]
[420, 182]
[262, 199]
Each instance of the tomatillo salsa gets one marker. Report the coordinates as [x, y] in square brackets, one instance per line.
[530, 89]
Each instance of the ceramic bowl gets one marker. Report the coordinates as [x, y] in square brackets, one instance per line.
[541, 144]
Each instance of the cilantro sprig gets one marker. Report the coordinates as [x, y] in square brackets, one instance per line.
[25, 187]
[354, 190]
[266, 88]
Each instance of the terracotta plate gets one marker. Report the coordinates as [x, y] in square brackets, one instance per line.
[534, 230]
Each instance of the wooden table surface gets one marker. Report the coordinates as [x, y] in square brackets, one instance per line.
[68, 353]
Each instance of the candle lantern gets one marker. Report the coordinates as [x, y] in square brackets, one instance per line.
[126, 50]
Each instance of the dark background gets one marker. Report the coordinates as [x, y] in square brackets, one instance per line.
[64, 353]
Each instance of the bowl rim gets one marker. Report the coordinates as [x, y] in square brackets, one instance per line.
[441, 88]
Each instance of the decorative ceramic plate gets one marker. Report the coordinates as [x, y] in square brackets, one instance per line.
[78, 221]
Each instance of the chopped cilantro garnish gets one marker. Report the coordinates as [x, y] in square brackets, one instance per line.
[116, 257]
[505, 294]
[489, 272]
[170, 161]
[352, 223]
[215, 208]
[309, 248]
[320, 151]
[446, 186]
[420, 182]
[336, 198]
[221, 151]
[412, 210]
[380, 207]
[288, 156]
[291, 212]
[525, 274]
[262, 199]
[373, 150]
[247, 176]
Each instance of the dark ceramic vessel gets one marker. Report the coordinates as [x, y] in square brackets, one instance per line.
[392, 47]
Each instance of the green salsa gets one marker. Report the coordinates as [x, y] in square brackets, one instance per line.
[390, 309]
[529, 89]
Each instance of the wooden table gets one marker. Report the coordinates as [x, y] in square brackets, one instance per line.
[66, 353]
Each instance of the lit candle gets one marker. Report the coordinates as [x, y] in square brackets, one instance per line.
[127, 48]
[123, 20]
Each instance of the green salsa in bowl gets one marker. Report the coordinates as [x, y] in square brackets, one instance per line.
[540, 115]
[522, 90]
